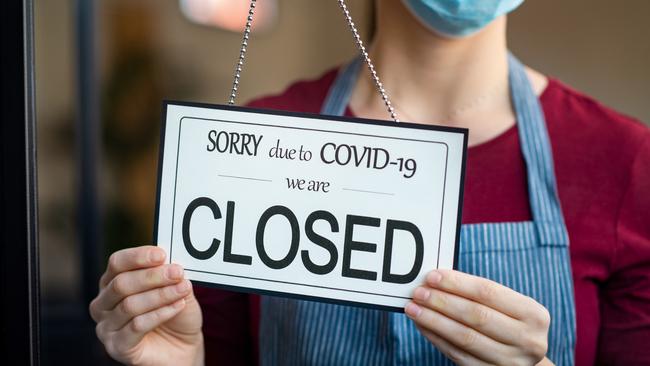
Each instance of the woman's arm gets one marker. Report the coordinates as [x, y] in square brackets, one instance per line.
[625, 296]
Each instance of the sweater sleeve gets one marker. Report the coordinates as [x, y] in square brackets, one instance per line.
[625, 307]
[227, 321]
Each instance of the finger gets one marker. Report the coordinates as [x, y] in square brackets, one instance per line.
[133, 332]
[145, 302]
[453, 353]
[133, 282]
[463, 337]
[131, 259]
[484, 319]
[483, 291]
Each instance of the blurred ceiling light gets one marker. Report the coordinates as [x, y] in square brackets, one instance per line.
[230, 14]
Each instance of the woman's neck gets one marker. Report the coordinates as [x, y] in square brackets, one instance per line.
[436, 80]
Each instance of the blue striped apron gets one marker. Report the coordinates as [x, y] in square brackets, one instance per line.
[530, 257]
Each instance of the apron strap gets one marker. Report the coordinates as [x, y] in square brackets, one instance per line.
[538, 154]
[339, 94]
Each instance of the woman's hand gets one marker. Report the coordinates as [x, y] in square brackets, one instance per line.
[146, 313]
[475, 321]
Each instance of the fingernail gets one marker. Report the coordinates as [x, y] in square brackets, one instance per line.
[174, 272]
[412, 310]
[434, 277]
[157, 255]
[421, 294]
[179, 304]
[183, 287]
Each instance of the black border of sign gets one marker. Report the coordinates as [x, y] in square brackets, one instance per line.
[163, 127]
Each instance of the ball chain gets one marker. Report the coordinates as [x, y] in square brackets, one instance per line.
[242, 53]
[357, 38]
[371, 67]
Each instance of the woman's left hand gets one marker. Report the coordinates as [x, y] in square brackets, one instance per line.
[473, 320]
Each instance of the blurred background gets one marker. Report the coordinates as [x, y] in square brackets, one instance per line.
[103, 68]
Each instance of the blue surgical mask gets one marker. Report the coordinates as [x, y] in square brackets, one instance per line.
[458, 18]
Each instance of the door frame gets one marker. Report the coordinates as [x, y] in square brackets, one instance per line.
[19, 269]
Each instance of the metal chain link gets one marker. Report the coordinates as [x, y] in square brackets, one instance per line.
[357, 39]
[242, 53]
[371, 67]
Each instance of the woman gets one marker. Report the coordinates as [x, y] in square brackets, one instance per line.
[547, 166]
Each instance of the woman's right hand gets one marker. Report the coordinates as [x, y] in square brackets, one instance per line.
[146, 312]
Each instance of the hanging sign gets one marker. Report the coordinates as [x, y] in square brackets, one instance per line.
[328, 208]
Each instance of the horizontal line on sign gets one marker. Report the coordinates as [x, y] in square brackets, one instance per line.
[365, 191]
[247, 178]
[299, 284]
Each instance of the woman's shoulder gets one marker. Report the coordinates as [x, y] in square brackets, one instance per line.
[304, 96]
[586, 115]
[583, 124]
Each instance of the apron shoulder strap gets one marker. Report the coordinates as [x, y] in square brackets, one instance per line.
[339, 93]
[538, 154]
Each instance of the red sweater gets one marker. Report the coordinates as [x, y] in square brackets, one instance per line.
[602, 165]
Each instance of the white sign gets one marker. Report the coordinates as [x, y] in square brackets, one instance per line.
[337, 209]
